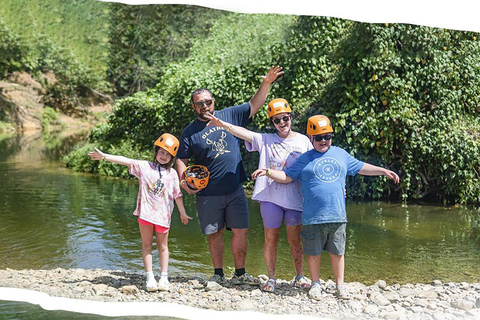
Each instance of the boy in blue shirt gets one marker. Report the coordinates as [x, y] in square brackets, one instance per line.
[323, 171]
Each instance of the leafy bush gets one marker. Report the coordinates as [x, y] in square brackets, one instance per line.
[79, 27]
[79, 160]
[401, 96]
[11, 51]
[144, 39]
[50, 117]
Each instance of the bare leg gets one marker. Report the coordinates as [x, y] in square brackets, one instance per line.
[215, 245]
[163, 253]
[338, 267]
[293, 236]
[314, 266]
[146, 232]
[239, 247]
[270, 250]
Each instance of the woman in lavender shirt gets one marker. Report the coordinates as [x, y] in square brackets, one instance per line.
[278, 202]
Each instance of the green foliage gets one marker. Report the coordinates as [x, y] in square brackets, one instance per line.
[50, 117]
[74, 80]
[11, 51]
[6, 127]
[78, 159]
[400, 96]
[140, 119]
[166, 108]
[65, 39]
[79, 26]
[402, 99]
[145, 38]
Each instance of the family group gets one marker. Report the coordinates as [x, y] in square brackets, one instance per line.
[300, 182]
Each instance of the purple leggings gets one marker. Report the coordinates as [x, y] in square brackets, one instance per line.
[273, 215]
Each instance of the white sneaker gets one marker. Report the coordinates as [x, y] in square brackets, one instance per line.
[151, 285]
[163, 284]
[315, 292]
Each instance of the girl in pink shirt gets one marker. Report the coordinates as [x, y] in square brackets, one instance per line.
[158, 189]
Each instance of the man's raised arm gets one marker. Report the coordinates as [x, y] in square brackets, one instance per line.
[260, 96]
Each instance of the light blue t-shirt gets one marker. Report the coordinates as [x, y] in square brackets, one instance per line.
[323, 183]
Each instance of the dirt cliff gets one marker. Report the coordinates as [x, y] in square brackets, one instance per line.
[22, 109]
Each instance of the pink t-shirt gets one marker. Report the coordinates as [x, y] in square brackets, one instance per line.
[156, 193]
[278, 153]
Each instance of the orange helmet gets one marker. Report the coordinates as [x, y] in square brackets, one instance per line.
[169, 143]
[277, 106]
[196, 176]
[318, 125]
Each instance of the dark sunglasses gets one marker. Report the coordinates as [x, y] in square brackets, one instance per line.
[284, 119]
[326, 137]
[207, 102]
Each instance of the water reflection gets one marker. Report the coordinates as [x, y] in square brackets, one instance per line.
[51, 217]
[23, 310]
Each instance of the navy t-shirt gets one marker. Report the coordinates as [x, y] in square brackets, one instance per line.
[217, 149]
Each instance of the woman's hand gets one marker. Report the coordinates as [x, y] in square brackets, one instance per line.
[214, 121]
[259, 173]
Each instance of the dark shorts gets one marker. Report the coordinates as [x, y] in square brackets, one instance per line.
[330, 237]
[216, 212]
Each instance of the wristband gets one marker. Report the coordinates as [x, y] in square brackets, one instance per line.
[182, 181]
[104, 158]
[269, 172]
[229, 127]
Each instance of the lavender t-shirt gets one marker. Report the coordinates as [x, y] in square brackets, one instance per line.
[278, 154]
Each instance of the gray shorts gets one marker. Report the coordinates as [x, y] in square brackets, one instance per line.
[330, 237]
[216, 212]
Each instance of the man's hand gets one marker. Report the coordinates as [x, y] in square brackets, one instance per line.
[272, 74]
[185, 187]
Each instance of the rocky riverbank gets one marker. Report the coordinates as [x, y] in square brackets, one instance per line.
[436, 300]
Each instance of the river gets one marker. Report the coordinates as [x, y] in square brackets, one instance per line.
[52, 217]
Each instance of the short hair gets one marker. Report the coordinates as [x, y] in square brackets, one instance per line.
[198, 91]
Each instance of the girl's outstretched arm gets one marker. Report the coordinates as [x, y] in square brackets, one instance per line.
[181, 208]
[99, 155]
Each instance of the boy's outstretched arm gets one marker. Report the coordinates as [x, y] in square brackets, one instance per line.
[371, 170]
[99, 155]
[181, 208]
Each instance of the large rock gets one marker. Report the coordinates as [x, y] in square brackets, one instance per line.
[463, 304]
[379, 299]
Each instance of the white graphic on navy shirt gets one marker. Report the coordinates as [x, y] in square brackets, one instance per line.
[220, 145]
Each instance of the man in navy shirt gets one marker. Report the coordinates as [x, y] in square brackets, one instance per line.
[223, 202]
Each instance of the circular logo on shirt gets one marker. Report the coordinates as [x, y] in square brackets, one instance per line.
[327, 169]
